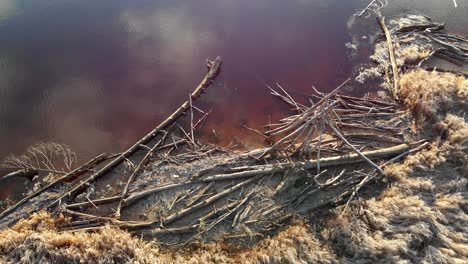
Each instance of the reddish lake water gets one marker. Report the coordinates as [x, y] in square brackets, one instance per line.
[97, 75]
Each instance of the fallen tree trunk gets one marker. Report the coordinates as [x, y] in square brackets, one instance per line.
[250, 171]
[210, 76]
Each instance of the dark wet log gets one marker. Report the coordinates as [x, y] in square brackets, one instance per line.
[446, 71]
[450, 58]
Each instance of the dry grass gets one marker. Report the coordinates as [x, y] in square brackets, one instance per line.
[37, 240]
[451, 145]
[296, 244]
[406, 224]
[412, 54]
[418, 220]
[425, 93]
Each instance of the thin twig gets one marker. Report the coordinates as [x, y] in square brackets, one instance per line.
[338, 133]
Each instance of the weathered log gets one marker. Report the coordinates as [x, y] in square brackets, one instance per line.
[359, 153]
[173, 230]
[136, 196]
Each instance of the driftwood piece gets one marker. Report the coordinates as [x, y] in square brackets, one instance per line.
[210, 76]
[218, 211]
[173, 230]
[200, 193]
[250, 171]
[391, 52]
[136, 196]
[374, 6]
[102, 220]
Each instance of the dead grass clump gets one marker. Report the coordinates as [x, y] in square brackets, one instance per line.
[295, 244]
[403, 226]
[36, 240]
[425, 93]
[455, 129]
[453, 132]
[412, 54]
[425, 159]
[448, 202]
